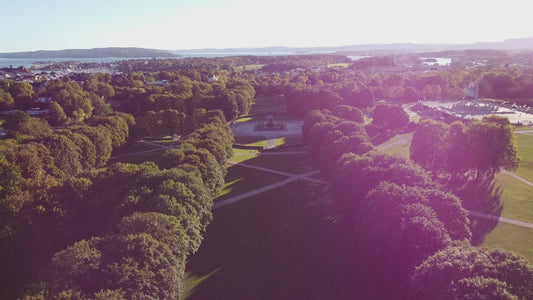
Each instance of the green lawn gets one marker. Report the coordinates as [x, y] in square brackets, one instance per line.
[240, 180]
[517, 198]
[269, 104]
[262, 142]
[290, 163]
[343, 65]
[525, 151]
[248, 67]
[138, 153]
[140, 158]
[511, 237]
[276, 245]
[398, 150]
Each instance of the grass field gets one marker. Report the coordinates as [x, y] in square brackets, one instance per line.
[290, 163]
[270, 104]
[517, 198]
[248, 68]
[266, 248]
[240, 180]
[398, 150]
[342, 65]
[525, 151]
[262, 142]
[511, 237]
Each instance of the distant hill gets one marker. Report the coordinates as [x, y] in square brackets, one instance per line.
[508, 45]
[91, 53]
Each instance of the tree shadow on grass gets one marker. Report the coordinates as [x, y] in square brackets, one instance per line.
[276, 245]
[480, 196]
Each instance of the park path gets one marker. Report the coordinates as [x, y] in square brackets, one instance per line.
[500, 219]
[306, 176]
[516, 177]
[291, 177]
[158, 146]
[407, 139]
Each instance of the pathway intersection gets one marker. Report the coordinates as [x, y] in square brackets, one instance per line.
[306, 177]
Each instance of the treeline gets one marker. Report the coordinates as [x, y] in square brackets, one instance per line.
[406, 237]
[272, 63]
[73, 101]
[477, 149]
[130, 227]
[41, 169]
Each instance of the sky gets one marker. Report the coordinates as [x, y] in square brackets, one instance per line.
[29, 25]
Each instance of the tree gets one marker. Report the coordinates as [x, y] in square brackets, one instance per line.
[117, 127]
[19, 123]
[101, 138]
[348, 113]
[457, 155]
[431, 91]
[356, 175]
[66, 154]
[5, 100]
[440, 274]
[428, 146]
[57, 115]
[491, 145]
[389, 117]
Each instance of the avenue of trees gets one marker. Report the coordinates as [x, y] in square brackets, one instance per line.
[139, 223]
[118, 231]
[76, 226]
[412, 240]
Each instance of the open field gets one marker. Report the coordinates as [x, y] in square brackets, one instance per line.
[517, 198]
[266, 248]
[340, 65]
[248, 67]
[525, 151]
[269, 104]
[515, 238]
[240, 180]
[399, 150]
[291, 163]
[262, 142]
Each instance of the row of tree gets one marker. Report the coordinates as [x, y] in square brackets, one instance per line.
[412, 240]
[479, 148]
[135, 225]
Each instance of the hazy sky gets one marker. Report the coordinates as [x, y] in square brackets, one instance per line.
[27, 25]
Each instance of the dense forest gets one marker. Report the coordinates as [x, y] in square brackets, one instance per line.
[75, 224]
